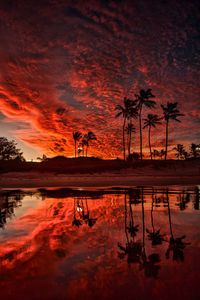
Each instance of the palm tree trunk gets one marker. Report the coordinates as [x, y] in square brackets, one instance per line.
[150, 141]
[124, 146]
[75, 148]
[140, 122]
[166, 140]
[86, 151]
[129, 146]
[128, 142]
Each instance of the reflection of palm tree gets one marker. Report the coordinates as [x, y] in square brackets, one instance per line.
[133, 249]
[83, 212]
[76, 222]
[151, 121]
[170, 112]
[154, 235]
[196, 202]
[176, 245]
[144, 100]
[149, 265]
[183, 200]
[132, 229]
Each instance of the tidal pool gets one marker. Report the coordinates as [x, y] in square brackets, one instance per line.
[136, 243]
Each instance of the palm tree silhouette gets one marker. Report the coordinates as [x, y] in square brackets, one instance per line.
[129, 130]
[180, 151]
[176, 245]
[155, 153]
[126, 111]
[76, 136]
[148, 264]
[170, 112]
[132, 249]
[151, 121]
[90, 136]
[195, 150]
[144, 99]
[154, 235]
[162, 153]
[84, 143]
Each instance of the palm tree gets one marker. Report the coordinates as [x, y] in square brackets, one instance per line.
[90, 136]
[129, 130]
[144, 99]
[162, 153]
[155, 153]
[170, 112]
[125, 111]
[180, 151]
[195, 150]
[84, 143]
[76, 136]
[151, 121]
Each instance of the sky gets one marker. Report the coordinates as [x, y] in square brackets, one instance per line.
[65, 65]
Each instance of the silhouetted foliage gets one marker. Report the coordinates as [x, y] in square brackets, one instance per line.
[133, 156]
[9, 151]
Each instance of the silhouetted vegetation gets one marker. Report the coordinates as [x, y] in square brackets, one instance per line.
[9, 150]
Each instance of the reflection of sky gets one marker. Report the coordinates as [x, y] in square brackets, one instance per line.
[83, 262]
[12, 230]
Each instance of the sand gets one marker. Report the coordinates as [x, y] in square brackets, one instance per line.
[125, 178]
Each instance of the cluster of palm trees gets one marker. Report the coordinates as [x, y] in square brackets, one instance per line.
[181, 153]
[82, 142]
[132, 109]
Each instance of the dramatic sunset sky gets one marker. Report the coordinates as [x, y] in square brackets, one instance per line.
[65, 65]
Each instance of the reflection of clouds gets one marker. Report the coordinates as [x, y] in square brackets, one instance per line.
[81, 59]
[53, 248]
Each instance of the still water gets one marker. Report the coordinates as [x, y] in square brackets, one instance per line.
[138, 243]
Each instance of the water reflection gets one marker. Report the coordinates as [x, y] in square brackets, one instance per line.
[98, 244]
[81, 209]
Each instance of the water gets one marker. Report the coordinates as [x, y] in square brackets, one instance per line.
[139, 243]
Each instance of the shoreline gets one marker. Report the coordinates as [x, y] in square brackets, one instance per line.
[39, 180]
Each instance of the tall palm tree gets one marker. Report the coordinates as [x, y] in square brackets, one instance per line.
[90, 136]
[76, 136]
[129, 130]
[144, 99]
[84, 143]
[151, 121]
[170, 112]
[125, 110]
[180, 151]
